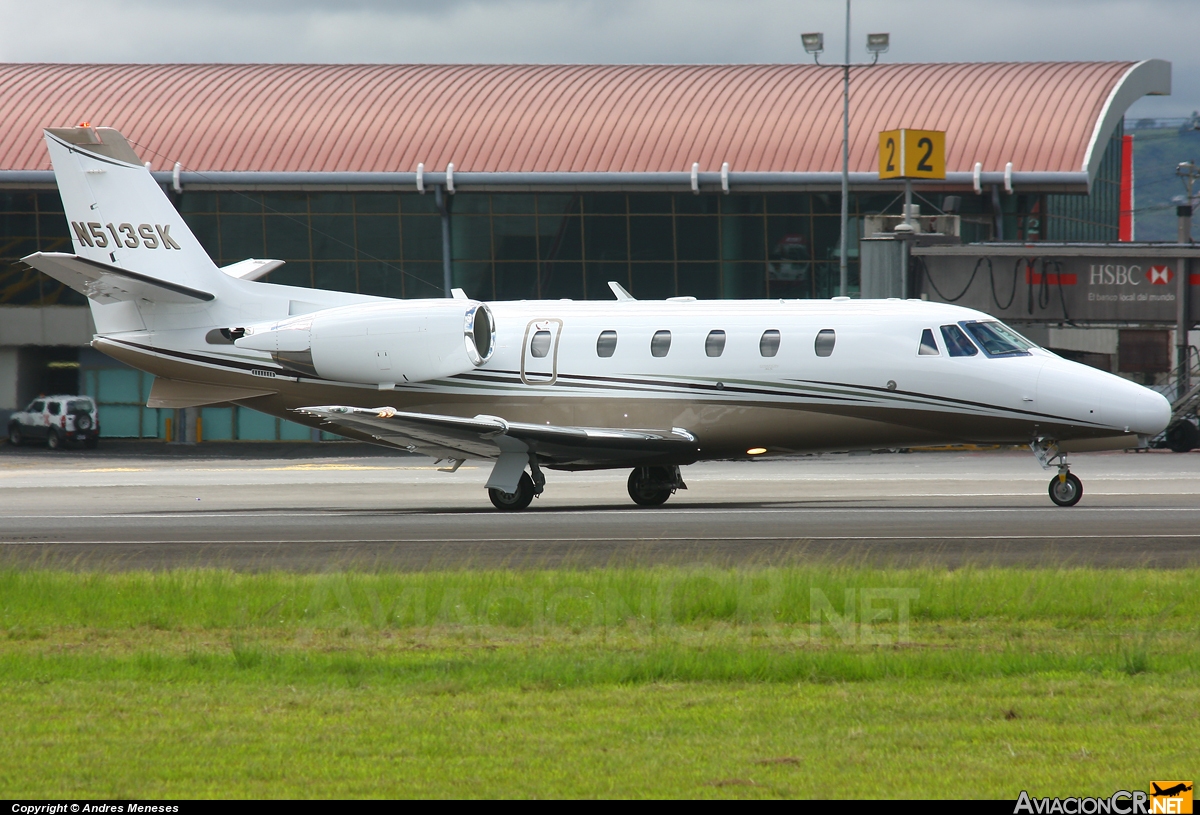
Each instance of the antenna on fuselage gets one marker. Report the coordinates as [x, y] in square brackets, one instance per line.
[619, 291]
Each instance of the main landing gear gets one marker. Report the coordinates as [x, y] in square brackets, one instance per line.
[528, 488]
[1065, 488]
[648, 487]
[520, 499]
[652, 486]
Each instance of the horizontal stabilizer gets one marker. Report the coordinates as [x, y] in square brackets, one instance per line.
[105, 283]
[173, 393]
[251, 268]
[489, 436]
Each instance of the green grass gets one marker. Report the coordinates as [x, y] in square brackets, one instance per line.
[822, 681]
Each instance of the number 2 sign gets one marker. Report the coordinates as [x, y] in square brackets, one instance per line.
[912, 154]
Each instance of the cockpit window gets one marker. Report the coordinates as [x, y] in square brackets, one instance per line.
[957, 343]
[928, 344]
[996, 339]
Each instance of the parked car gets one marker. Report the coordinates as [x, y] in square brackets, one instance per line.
[56, 421]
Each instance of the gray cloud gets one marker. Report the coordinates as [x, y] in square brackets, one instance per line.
[606, 31]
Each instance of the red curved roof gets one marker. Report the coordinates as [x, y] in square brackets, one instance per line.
[548, 118]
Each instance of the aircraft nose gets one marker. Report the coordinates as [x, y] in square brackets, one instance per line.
[1153, 412]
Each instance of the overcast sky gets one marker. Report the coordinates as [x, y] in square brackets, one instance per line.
[607, 31]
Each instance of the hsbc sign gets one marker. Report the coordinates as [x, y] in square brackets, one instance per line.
[1117, 274]
[1059, 282]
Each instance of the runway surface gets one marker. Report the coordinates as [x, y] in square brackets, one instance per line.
[183, 507]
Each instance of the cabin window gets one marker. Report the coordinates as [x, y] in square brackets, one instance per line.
[714, 344]
[928, 344]
[768, 344]
[606, 344]
[539, 346]
[997, 339]
[824, 342]
[660, 343]
[54, 408]
[957, 343]
[37, 407]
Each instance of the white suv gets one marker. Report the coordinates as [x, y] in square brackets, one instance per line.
[56, 420]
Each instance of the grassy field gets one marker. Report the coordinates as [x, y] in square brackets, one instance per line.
[791, 681]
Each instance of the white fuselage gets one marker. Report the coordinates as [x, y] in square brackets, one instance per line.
[598, 364]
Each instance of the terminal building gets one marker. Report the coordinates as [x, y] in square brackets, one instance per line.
[540, 181]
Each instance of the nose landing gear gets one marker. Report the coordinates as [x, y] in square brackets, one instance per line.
[1065, 488]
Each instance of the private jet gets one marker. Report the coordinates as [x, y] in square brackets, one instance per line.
[538, 385]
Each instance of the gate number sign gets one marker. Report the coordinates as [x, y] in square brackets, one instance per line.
[912, 154]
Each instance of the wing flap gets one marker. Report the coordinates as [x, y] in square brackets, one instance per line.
[489, 436]
[105, 283]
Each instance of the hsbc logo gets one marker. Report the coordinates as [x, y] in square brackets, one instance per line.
[1159, 275]
[1116, 274]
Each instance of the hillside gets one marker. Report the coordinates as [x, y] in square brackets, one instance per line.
[1158, 146]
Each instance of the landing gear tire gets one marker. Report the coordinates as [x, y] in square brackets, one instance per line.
[512, 501]
[53, 440]
[15, 437]
[1066, 493]
[1183, 436]
[650, 486]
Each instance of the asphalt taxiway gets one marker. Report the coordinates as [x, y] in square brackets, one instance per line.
[326, 507]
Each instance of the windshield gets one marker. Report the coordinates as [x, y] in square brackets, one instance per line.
[79, 405]
[997, 339]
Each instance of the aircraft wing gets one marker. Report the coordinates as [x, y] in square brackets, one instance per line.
[456, 437]
[105, 283]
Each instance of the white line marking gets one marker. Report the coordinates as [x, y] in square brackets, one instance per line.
[630, 512]
[683, 539]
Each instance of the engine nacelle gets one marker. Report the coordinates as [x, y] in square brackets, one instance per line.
[379, 343]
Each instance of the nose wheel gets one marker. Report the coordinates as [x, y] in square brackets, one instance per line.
[1065, 488]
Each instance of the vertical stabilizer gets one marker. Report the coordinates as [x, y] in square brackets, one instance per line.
[118, 214]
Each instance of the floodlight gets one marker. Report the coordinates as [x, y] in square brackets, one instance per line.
[877, 43]
[813, 43]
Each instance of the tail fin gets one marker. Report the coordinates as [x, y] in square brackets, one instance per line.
[118, 214]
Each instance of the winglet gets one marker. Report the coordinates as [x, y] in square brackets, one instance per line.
[619, 291]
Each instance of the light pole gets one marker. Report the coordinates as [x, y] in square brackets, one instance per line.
[814, 44]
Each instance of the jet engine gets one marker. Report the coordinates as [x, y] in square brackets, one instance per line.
[379, 343]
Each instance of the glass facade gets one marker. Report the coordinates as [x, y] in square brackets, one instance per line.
[29, 222]
[513, 246]
[1094, 217]
[537, 245]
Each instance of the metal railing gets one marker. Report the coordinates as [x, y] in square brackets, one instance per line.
[1184, 408]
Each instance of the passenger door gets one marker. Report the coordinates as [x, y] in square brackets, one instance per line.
[539, 352]
[35, 427]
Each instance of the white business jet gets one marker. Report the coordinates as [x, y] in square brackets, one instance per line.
[556, 384]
